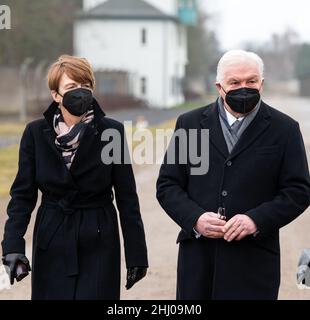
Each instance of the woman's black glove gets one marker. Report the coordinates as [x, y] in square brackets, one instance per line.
[16, 265]
[135, 274]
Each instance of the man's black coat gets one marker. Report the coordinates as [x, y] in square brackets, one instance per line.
[266, 176]
[76, 245]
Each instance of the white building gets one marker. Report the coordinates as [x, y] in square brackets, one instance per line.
[143, 39]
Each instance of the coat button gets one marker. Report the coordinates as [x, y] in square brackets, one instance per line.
[229, 164]
[224, 193]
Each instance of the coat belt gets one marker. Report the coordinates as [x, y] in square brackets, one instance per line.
[69, 215]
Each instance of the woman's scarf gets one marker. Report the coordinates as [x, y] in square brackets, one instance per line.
[68, 138]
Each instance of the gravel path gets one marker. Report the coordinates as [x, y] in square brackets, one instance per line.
[9, 141]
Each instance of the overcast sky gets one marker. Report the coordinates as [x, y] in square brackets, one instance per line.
[240, 21]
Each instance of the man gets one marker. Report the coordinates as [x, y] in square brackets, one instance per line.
[257, 182]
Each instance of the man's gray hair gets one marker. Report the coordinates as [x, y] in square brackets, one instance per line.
[235, 57]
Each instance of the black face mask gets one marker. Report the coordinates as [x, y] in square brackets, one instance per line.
[77, 101]
[242, 100]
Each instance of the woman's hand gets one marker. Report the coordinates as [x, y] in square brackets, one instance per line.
[134, 275]
[16, 265]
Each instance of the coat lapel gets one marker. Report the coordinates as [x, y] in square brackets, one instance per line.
[49, 135]
[89, 138]
[253, 131]
[211, 121]
[49, 132]
[85, 147]
[259, 124]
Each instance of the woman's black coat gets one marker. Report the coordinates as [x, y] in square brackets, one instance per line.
[76, 245]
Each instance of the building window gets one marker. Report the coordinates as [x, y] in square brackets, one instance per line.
[180, 36]
[143, 36]
[172, 85]
[143, 86]
[176, 86]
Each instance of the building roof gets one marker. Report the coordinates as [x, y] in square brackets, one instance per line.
[127, 10]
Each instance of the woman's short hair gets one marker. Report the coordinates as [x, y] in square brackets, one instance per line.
[235, 57]
[76, 68]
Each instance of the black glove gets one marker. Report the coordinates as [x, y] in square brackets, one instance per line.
[16, 265]
[135, 274]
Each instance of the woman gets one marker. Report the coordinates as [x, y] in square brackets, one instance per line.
[76, 246]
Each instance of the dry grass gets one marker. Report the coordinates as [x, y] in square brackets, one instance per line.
[11, 129]
[8, 168]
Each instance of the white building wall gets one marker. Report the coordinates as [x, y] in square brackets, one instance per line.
[176, 55]
[117, 45]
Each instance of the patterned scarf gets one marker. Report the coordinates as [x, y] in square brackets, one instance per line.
[68, 138]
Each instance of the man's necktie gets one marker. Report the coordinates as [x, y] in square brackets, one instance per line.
[234, 128]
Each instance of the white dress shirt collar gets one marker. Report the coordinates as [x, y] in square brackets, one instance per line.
[230, 118]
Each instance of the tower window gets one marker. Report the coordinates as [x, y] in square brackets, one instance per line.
[143, 36]
[143, 86]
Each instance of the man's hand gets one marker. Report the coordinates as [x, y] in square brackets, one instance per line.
[134, 275]
[210, 225]
[238, 227]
